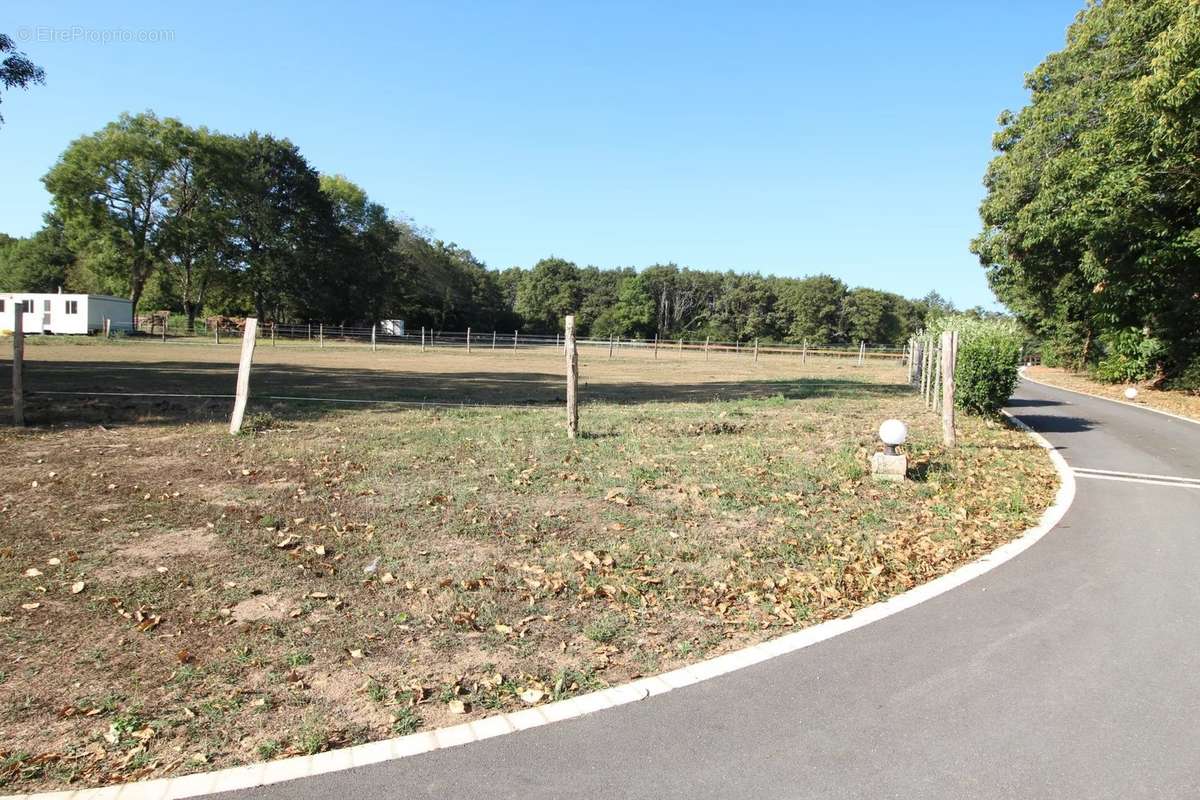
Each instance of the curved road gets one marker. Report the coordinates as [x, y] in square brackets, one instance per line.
[1071, 671]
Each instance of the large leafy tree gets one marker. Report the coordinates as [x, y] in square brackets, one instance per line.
[283, 228]
[16, 70]
[1090, 218]
[548, 293]
[41, 263]
[112, 190]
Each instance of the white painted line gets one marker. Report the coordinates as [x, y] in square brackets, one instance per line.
[1148, 476]
[253, 775]
[1176, 484]
[1024, 376]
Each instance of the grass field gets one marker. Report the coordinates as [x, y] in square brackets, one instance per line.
[173, 598]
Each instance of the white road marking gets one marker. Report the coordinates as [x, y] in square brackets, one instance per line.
[1093, 472]
[1147, 481]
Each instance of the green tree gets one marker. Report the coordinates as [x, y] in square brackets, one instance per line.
[632, 314]
[871, 317]
[1089, 219]
[16, 70]
[814, 305]
[547, 294]
[112, 191]
[41, 263]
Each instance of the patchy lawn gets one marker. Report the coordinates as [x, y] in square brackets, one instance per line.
[1185, 404]
[175, 599]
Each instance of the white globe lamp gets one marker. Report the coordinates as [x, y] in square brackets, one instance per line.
[1130, 393]
[892, 433]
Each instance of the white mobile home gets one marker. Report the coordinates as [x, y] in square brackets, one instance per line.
[65, 313]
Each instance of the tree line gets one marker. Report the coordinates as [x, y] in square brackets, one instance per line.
[1090, 221]
[200, 222]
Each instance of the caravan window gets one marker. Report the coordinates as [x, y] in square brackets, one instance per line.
[25, 306]
[1, 306]
[45, 305]
[72, 306]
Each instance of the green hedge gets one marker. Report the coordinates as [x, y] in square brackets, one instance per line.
[989, 354]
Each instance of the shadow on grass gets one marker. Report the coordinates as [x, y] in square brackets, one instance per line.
[68, 392]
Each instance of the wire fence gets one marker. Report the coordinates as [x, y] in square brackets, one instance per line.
[317, 334]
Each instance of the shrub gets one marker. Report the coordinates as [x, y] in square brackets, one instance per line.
[1128, 356]
[1188, 378]
[989, 353]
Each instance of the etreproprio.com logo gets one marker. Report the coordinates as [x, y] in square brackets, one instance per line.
[81, 33]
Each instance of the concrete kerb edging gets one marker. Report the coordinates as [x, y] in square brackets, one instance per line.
[1022, 372]
[287, 769]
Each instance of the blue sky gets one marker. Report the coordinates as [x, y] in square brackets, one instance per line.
[789, 138]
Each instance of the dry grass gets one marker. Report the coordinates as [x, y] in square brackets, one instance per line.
[173, 598]
[1177, 402]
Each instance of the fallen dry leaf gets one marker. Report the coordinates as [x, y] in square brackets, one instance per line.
[78, 587]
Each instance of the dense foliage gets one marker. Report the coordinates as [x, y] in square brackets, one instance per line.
[1091, 232]
[989, 355]
[16, 70]
[200, 222]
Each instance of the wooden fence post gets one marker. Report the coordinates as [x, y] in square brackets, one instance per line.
[310, 331]
[164, 333]
[656, 347]
[610, 345]
[514, 341]
[321, 333]
[949, 357]
[572, 379]
[468, 340]
[217, 333]
[493, 339]
[804, 351]
[274, 333]
[681, 347]
[756, 351]
[706, 348]
[18, 364]
[373, 325]
[558, 346]
[422, 338]
[107, 328]
[243, 378]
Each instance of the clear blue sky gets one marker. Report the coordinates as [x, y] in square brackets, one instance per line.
[788, 138]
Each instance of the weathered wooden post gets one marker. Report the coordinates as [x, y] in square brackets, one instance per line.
[422, 338]
[107, 328]
[164, 332]
[514, 341]
[321, 333]
[908, 357]
[493, 340]
[468, 340]
[756, 351]
[949, 359]
[274, 333]
[217, 333]
[18, 364]
[706, 348]
[656, 347]
[310, 331]
[373, 326]
[804, 351]
[558, 346]
[610, 345]
[927, 368]
[862, 351]
[243, 378]
[572, 380]
[681, 347]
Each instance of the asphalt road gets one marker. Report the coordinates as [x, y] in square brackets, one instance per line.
[1072, 671]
